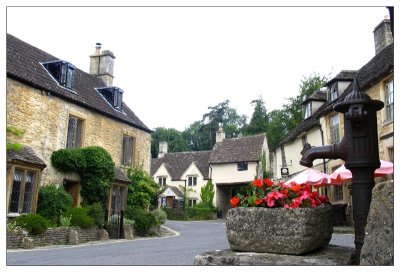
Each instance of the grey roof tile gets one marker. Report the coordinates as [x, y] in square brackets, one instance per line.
[25, 155]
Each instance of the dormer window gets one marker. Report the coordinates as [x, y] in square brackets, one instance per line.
[307, 110]
[333, 93]
[113, 95]
[62, 71]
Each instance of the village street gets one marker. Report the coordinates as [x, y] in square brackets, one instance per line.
[190, 239]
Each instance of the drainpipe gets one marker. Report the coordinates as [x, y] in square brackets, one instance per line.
[323, 143]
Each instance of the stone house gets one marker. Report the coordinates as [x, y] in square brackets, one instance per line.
[60, 106]
[232, 163]
[323, 126]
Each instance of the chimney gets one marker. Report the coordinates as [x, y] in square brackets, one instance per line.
[220, 135]
[162, 149]
[102, 65]
[382, 35]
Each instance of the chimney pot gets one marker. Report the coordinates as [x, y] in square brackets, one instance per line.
[98, 47]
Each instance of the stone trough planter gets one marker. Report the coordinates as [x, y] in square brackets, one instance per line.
[279, 230]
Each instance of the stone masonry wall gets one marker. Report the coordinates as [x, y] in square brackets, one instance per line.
[52, 236]
[45, 121]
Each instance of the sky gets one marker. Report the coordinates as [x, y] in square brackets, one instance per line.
[174, 62]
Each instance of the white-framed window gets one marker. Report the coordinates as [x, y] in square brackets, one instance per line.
[334, 129]
[162, 181]
[338, 192]
[192, 181]
[389, 100]
[333, 93]
[192, 202]
[307, 110]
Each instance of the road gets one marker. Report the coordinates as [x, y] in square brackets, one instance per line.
[193, 238]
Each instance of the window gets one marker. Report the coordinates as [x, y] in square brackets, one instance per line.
[242, 166]
[335, 136]
[113, 95]
[389, 100]
[162, 181]
[391, 154]
[338, 192]
[192, 181]
[24, 184]
[307, 110]
[118, 199]
[127, 150]
[333, 94]
[63, 72]
[192, 202]
[74, 136]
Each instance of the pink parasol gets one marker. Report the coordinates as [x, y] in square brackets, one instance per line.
[309, 176]
[343, 174]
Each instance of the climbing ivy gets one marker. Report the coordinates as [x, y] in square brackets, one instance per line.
[95, 167]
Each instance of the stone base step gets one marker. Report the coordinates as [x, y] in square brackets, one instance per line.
[330, 255]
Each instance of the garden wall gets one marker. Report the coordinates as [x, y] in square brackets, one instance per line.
[52, 236]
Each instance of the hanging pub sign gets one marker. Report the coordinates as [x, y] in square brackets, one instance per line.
[284, 171]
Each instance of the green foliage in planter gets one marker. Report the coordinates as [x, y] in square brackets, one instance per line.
[80, 217]
[95, 166]
[53, 201]
[160, 215]
[33, 223]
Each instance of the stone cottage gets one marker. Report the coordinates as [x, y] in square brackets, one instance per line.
[60, 106]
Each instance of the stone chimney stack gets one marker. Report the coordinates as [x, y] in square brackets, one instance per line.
[102, 65]
[162, 149]
[382, 35]
[220, 135]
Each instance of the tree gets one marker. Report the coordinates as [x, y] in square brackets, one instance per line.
[176, 143]
[193, 137]
[277, 128]
[220, 114]
[207, 193]
[142, 191]
[259, 120]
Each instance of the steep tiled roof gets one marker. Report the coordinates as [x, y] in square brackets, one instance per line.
[344, 75]
[25, 155]
[24, 64]
[238, 149]
[176, 191]
[121, 176]
[177, 163]
[316, 96]
[375, 70]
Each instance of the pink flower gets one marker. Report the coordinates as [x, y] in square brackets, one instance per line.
[272, 196]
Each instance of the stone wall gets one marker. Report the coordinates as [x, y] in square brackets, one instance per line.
[52, 236]
[44, 118]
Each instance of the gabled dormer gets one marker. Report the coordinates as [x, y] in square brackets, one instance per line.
[314, 102]
[339, 83]
[62, 71]
[113, 95]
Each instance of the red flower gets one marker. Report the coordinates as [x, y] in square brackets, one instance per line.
[258, 201]
[285, 192]
[268, 182]
[296, 202]
[235, 201]
[271, 197]
[295, 188]
[258, 183]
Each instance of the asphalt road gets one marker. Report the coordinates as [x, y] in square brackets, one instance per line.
[192, 238]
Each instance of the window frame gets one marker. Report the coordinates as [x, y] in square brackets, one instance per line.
[82, 132]
[192, 181]
[389, 100]
[162, 181]
[307, 110]
[334, 129]
[338, 192]
[126, 161]
[22, 192]
[242, 166]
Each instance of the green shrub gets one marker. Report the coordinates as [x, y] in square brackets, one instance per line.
[97, 213]
[53, 201]
[174, 214]
[130, 212]
[199, 213]
[33, 223]
[65, 221]
[143, 221]
[80, 217]
[160, 215]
